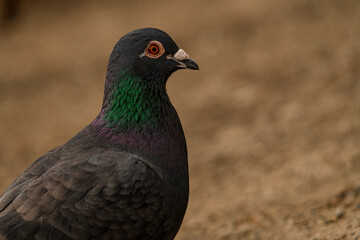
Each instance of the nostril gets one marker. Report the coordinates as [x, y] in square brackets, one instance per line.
[181, 55]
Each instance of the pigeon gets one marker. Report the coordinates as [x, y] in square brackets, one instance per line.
[125, 175]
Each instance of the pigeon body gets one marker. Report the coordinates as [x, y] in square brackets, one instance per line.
[125, 175]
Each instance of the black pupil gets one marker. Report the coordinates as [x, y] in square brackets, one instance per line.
[154, 49]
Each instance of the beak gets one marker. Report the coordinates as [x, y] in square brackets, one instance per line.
[190, 64]
[184, 60]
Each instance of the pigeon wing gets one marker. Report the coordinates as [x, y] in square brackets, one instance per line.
[98, 195]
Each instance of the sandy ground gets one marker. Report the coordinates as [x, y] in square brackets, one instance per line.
[271, 119]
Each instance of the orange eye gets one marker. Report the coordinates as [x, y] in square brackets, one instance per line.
[154, 50]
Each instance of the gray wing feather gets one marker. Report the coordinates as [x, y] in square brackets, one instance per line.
[97, 195]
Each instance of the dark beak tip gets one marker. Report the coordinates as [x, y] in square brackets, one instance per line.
[196, 68]
[191, 64]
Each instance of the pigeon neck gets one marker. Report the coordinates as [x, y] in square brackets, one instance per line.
[137, 113]
[131, 102]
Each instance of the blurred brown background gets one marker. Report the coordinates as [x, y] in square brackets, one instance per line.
[271, 119]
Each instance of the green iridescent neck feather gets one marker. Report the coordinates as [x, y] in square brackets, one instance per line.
[135, 102]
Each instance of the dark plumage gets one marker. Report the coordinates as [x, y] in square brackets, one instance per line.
[125, 175]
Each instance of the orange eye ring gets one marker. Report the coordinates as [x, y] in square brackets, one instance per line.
[154, 49]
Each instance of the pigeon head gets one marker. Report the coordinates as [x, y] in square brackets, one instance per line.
[150, 54]
[135, 99]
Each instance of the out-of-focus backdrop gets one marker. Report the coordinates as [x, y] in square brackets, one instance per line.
[272, 118]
